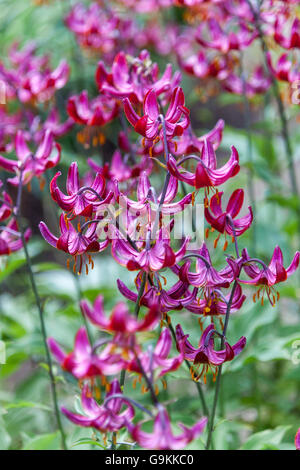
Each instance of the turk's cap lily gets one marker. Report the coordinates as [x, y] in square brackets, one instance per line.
[120, 320]
[105, 418]
[149, 125]
[153, 258]
[47, 155]
[10, 238]
[218, 218]
[206, 276]
[81, 201]
[171, 299]
[134, 80]
[96, 112]
[206, 174]
[157, 360]
[6, 205]
[205, 353]
[71, 241]
[293, 40]
[215, 305]
[272, 274]
[162, 437]
[83, 362]
[145, 197]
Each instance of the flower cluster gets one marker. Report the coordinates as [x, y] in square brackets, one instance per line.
[118, 206]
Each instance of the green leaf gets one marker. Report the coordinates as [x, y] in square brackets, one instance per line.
[270, 438]
[44, 442]
[28, 404]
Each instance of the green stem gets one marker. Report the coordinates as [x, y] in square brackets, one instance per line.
[198, 385]
[41, 317]
[219, 376]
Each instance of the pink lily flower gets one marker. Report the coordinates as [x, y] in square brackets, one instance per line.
[162, 437]
[6, 205]
[224, 41]
[120, 320]
[297, 440]
[96, 112]
[83, 362]
[10, 238]
[291, 42]
[268, 276]
[53, 124]
[149, 125]
[75, 243]
[119, 170]
[171, 299]
[40, 85]
[31, 164]
[135, 80]
[189, 143]
[206, 174]
[105, 418]
[286, 69]
[206, 276]
[205, 354]
[219, 219]
[157, 360]
[151, 258]
[257, 83]
[145, 196]
[214, 305]
[80, 201]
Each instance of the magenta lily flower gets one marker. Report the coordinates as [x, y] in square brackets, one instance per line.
[175, 298]
[256, 84]
[80, 201]
[46, 156]
[206, 174]
[6, 205]
[293, 40]
[96, 112]
[214, 305]
[157, 360]
[224, 41]
[149, 125]
[53, 124]
[145, 196]
[119, 170]
[120, 320]
[151, 258]
[105, 418]
[297, 440]
[223, 221]
[205, 354]
[135, 80]
[162, 437]
[10, 238]
[189, 143]
[83, 362]
[285, 69]
[206, 276]
[268, 276]
[75, 243]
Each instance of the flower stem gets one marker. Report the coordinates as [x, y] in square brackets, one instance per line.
[280, 105]
[198, 385]
[41, 317]
[250, 173]
[219, 376]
